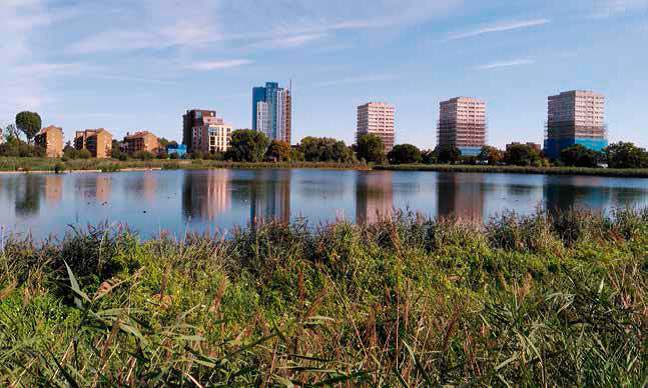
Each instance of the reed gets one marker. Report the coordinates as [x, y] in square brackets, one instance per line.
[549, 299]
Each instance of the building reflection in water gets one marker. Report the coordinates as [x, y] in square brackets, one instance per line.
[461, 196]
[148, 186]
[97, 187]
[575, 192]
[53, 189]
[374, 196]
[270, 195]
[205, 194]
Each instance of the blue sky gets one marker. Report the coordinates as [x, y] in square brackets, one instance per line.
[132, 65]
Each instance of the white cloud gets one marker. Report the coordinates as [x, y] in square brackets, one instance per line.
[218, 65]
[499, 27]
[247, 23]
[502, 64]
[610, 8]
[356, 80]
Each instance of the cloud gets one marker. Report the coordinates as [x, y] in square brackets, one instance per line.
[609, 8]
[249, 23]
[499, 27]
[502, 64]
[357, 80]
[218, 65]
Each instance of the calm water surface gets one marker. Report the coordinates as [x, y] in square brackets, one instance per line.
[206, 201]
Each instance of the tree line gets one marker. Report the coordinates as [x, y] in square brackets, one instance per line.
[251, 146]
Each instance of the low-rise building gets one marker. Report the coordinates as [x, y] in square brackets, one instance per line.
[97, 141]
[177, 149]
[213, 136]
[51, 140]
[143, 141]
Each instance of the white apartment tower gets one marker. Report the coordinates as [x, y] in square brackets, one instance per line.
[462, 123]
[377, 118]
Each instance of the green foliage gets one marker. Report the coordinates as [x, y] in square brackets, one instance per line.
[544, 300]
[579, 156]
[143, 155]
[490, 155]
[84, 154]
[324, 149]
[428, 157]
[370, 148]
[626, 155]
[29, 123]
[447, 154]
[279, 151]
[247, 146]
[14, 147]
[404, 154]
[522, 155]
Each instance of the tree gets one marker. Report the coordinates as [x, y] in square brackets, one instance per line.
[447, 154]
[522, 155]
[371, 148]
[84, 154]
[324, 149]
[579, 156]
[626, 155]
[247, 146]
[404, 154]
[279, 151]
[29, 123]
[428, 157]
[490, 155]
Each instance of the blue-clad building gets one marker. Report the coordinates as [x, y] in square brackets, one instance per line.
[272, 111]
[575, 117]
[178, 149]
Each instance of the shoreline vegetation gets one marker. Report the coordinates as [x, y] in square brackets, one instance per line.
[552, 299]
[53, 165]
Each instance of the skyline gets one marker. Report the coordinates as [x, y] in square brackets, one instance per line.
[137, 75]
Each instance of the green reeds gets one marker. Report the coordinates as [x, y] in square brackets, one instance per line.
[552, 299]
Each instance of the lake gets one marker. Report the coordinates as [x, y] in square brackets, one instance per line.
[205, 201]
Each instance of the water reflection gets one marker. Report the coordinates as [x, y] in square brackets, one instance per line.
[270, 195]
[53, 189]
[374, 196]
[200, 201]
[575, 192]
[205, 194]
[461, 196]
[28, 195]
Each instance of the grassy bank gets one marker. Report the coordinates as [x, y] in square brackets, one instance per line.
[50, 164]
[631, 173]
[111, 165]
[538, 301]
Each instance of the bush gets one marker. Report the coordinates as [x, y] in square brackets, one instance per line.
[143, 155]
[370, 148]
[404, 154]
[174, 156]
[84, 154]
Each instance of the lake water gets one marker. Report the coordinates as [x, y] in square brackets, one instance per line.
[206, 201]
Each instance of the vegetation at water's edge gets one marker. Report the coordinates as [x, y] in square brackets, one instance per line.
[613, 172]
[547, 300]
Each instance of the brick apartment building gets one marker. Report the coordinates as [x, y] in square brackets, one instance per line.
[51, 140]
[141, 141]
[97, 141]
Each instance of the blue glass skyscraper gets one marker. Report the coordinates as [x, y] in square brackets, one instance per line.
[272, 111]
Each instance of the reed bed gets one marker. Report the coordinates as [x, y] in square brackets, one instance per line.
[542, 300]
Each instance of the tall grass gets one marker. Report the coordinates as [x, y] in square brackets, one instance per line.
[544, 300]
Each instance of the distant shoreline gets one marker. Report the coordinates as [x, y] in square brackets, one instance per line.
[48, 165]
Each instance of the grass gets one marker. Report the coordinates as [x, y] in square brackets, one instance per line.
[630, 173]
[545, 300]
[112, 165]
